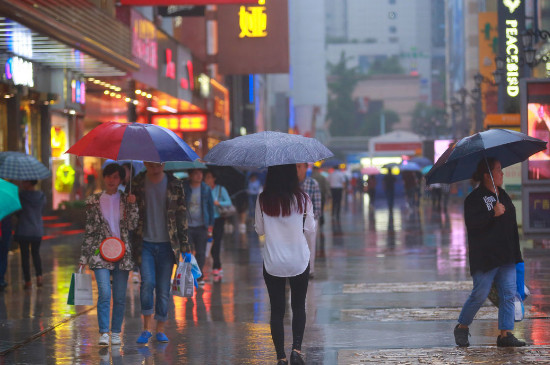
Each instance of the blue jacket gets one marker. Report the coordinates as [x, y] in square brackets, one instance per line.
[220, 194]
[207, 203]
[29, 223]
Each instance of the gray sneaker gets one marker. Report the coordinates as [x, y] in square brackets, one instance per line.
[509, 341]
[461, 336]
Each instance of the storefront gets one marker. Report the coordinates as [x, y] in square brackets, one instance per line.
[43, 90]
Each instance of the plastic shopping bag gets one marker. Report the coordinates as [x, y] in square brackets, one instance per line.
[195, 270]
[519, 309]
[80, 291]
[182, 284]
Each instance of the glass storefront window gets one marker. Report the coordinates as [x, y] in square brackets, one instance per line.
[539, 127]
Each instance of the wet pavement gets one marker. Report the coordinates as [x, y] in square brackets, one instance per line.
[387, 290]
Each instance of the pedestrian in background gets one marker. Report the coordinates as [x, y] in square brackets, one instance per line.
[493, 245]
[111, 213]
[337, 180]
[311, 188]
[324, 186]
[371, 189]
[200, 206]
[389, 189]
[5, 249]
[221, 199]
[160, 237]
[30, 229]
[284, 214]
[253, 189]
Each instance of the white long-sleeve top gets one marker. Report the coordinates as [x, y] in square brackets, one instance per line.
[286, 251]
[110, 208]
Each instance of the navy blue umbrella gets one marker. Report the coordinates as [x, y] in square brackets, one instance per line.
[460, 161]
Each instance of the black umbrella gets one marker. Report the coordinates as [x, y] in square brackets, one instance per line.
[460, 160]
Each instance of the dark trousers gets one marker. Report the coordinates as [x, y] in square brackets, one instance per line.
[197, 238]
[298, 290]
[34, 245]
[336, 201]
[5, 247]
[217, 236]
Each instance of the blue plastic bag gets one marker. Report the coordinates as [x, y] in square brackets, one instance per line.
[195, 270]
[520, 279]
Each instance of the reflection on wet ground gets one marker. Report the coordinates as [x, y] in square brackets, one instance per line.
[388, 289]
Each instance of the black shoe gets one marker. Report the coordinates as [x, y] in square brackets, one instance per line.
[282, 362]
[296, 358]
[509, 341]
[461, 336]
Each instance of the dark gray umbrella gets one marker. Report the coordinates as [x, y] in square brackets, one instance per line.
[20, 166]
[460, 161]
[267, 149]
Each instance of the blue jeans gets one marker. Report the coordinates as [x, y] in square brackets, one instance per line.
[157, 262]
[198, 236]
[120, 281]
[505, 279]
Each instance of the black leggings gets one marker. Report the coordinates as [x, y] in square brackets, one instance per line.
[298, 290]
[217, 236]
[35, 251]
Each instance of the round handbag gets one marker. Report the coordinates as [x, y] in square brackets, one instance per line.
[112, 249]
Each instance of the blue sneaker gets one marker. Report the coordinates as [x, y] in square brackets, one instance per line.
[161, 337]
[144, 337]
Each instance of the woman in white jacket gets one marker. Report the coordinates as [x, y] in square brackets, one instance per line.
[284, 214]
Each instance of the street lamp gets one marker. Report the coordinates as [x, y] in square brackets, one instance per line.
[530, 37]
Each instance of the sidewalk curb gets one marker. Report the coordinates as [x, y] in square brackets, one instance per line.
[43, 332]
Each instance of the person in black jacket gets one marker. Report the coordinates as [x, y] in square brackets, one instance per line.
[493, 244]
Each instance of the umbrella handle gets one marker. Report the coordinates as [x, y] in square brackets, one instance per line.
[492, 180]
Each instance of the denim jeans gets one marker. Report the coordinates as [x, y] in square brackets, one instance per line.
[505, 279]
[157, 262]
[197, 238]
[120, 281]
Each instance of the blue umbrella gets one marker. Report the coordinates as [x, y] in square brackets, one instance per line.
[20, 166]
[421, 161]
[460, 161]
[9, 198]
[409, 166]
[183, 165]
[267, 149]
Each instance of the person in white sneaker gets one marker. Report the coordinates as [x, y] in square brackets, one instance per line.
[221, 199]
[110, 213]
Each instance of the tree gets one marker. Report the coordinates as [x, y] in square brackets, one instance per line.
[387, 66]
[341, 109]
[372, 124]
[429, 121]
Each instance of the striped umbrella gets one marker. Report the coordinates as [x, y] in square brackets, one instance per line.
[19, 166]
[133, 141]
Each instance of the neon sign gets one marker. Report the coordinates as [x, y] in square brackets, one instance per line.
[78, 91]
[253, 21]
[189, 82]
[144, 42]
[19, 71]
[181, 122]
[170, 65]
[512, 58]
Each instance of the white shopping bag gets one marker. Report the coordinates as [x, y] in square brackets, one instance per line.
[182, 284]
[80, 292]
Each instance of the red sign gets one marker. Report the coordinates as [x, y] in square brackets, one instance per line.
[170, 65]
[184, 2]
[181, 122]
[406, 146]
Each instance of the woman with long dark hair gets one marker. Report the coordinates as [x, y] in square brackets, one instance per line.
[494, 251]
[284, 214]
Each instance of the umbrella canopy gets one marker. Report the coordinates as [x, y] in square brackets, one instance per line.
[20, 166]
[133, 141]
[390, 168]
[409, 166]
[460, 161]
[183, 165]
[371, 170]
[426, 169]
[267, 149]
[9, 198]
[421, 161]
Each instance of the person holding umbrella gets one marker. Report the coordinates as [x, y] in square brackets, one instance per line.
[159, 238]
[30, 229]
[284, 214]
[494, 251]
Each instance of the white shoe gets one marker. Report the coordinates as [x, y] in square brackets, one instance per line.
[135, 277]
[242, 228]
[115, 339]
[104, 339]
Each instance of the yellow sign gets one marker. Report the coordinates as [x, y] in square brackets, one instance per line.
[253, 21]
